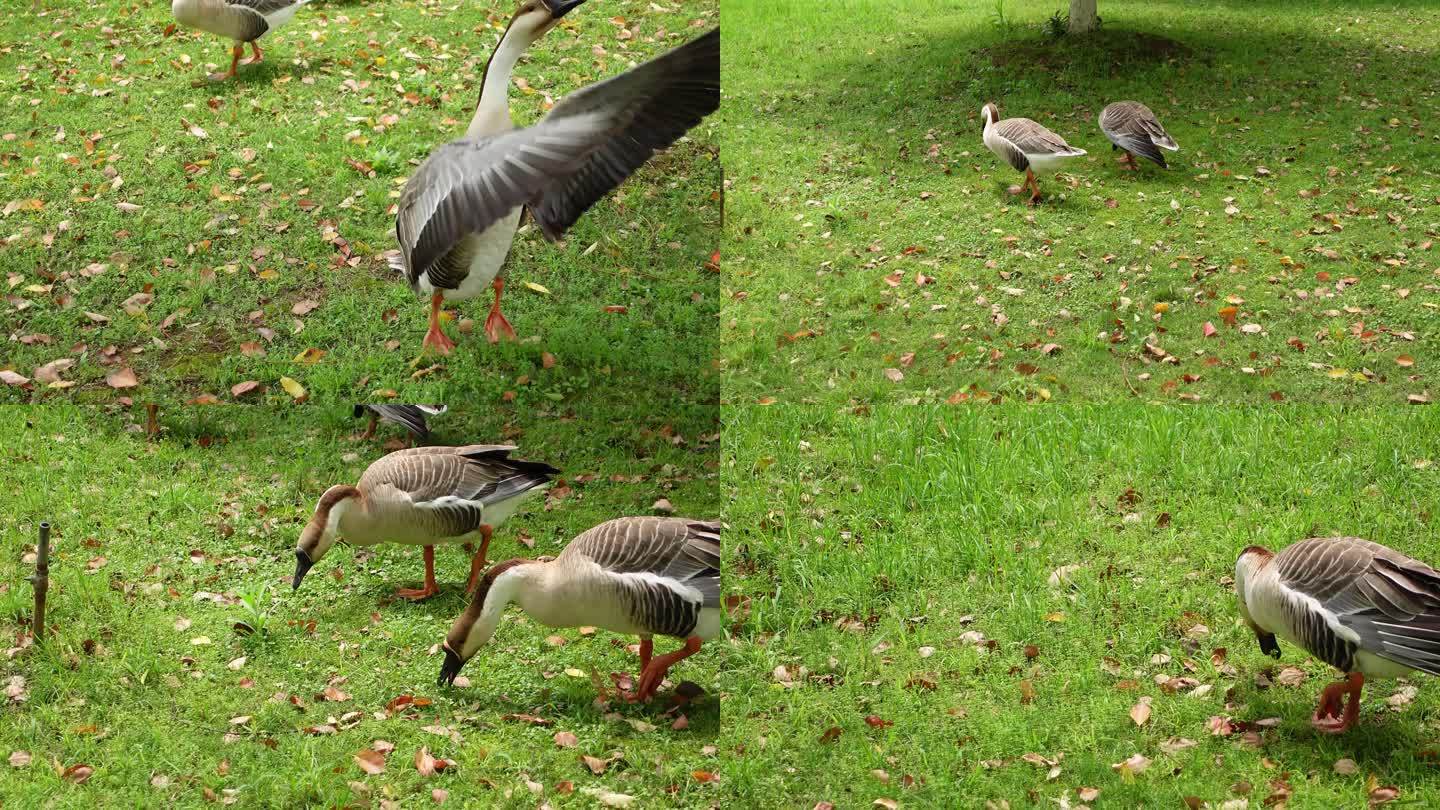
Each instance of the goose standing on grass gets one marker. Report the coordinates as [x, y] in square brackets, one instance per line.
[241, 20]
[459, 212]
[410, 417]
[1132, 127]
[1367, 610]
[1025, 145]
[649, 576]
[424, 496]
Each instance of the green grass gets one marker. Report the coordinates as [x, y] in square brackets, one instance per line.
[860, 541]
[142, 529]
[235, 229]
[861, 160]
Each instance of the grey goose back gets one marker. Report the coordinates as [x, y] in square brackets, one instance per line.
[1026, 145]
[411, 417]
[1367, 610]
[1132, 127]
[460, 210]
[647, 576]
[424, 496]
[240, 20]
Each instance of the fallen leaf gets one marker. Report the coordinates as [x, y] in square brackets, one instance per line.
[1346, 767]
[124, 378]
[19, 759]
[371, 762]
[1140, 712]
[566, 739]
[293, 388]
[596, 765]
[241, 389]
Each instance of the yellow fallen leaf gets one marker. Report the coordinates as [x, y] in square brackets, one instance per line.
[293, 388]
[575, 673]
[310, 356]
[1337, 373]
[537, 288]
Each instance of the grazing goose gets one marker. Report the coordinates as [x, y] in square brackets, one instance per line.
[459, 212]
[1026, 145]
[241, 20]
[1132, 127]
[1365, 609]
[410, 417]
[424, 496]
[643, 575]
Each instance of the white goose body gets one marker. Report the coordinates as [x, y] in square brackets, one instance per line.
[645, 576]
[1026, 145]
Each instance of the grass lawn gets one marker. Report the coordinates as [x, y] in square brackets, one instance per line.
[158, 544]
[255, 213]
[873, 254]
[944, 607]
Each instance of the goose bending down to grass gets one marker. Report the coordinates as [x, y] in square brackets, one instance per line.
[1132, 127]
[424, 496]
[410, 417]
[241, 20]
[459, 212]
[1367, 610]
[648, 576]
[1025, 145]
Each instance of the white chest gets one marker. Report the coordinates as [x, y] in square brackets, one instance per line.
[489, 251]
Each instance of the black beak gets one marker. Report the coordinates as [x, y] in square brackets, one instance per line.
[302, 565]
[559, 8]
[1267, 644]
[450, 668]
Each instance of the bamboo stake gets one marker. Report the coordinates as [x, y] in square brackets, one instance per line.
[41, 581]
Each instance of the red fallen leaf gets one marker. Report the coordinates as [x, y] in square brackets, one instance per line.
[704, 776]
[875, 721]
[1208, 330]
[77, 773]
[596, 765]
[1026, 368]
[241, 389]
[894, 278]
[566, 739]
[1383, 794]
[170, 29]
[618, 309]
[125, 378]
[528, 718]
[403, 700]
[371, 762]
[1404, 361]
[547, 360]
[1228, 314]
[831, 734]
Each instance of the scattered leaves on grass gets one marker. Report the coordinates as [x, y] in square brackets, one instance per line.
[609, 798]
[370, 761]
[80, 772]
[1346, 767]
[1140, 712]
[566, 739]
[429, 765]
[596, 765]
[1132, 767]
[294, 389]
[241, 389]
[123, 378]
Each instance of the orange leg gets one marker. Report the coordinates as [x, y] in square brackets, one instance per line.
[647, 647]
[495, 324]
[654, 673]
[258, 57]
[1325, 719]
[234, 62]
[369, 430]
[1128, 161]
[431, 588]
[152, 424]
[435, 338]
[1034, 186]
[477, 563]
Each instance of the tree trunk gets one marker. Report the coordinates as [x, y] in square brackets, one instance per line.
[1082, 16]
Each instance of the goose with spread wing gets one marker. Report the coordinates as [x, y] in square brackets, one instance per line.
[411, 417]
[647, 576]
[459, 212]
[424, 496]
[1026, 145]
[1363, 608]
[241, 20]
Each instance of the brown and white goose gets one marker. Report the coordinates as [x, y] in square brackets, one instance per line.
[411, 417]
[424, 496]
[241, 20]
[1132, 127]
[1367, 610]
[459, 212]
[643, 575]
[1025, 145]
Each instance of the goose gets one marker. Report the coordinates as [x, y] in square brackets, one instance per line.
[241, 20]
[1367, 610]
[459, 212]
[646, 576]
[410, 417]
[1132, 127]
[424, 496]
[1026, 145]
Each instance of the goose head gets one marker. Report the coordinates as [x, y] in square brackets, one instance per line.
[496, 589]
[323, 529]
[989, 114]
[535, 17]
[1247, 566]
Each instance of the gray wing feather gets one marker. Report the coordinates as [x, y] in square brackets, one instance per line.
[1034, 139]
[646, 109]
[1390, 601]
[681, 555]
[1131, 126]
[262, 6]
[410, 417]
